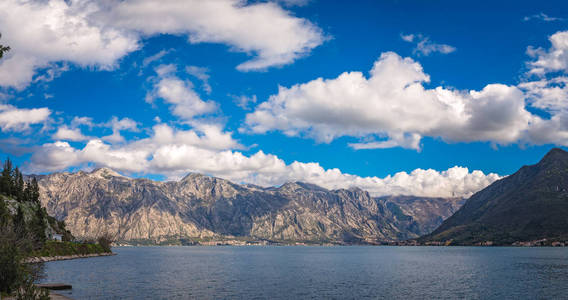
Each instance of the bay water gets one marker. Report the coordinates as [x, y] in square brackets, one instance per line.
[296, 272]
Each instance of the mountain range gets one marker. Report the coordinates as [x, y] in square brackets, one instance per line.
[203, 209]
[529, 207]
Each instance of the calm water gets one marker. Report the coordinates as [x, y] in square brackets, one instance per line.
[317, 272]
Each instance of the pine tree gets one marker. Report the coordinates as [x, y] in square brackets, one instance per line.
[6, 180]
[28, 191]
[20, 223]
[34, 191]
[38, 227]
[4, 214]
[19, 185]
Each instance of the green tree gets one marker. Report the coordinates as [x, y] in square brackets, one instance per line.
[11, 270]
[6, 180]
[18, 185]
[27, 191]
[4, 214]
[20, 223]
[38, 227]
[34, 193]
[3, 49]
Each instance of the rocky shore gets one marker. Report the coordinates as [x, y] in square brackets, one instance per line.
[33, 260]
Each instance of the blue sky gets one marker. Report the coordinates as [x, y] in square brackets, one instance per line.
[114, 73]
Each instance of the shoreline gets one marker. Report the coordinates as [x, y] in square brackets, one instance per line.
[352, 245]
[34, 260]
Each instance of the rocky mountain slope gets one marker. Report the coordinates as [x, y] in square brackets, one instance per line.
[200, 208]
[531, 204]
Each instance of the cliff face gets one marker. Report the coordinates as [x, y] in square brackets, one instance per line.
[200, 207]
[531, 204]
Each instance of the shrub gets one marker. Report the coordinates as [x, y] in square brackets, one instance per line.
[105, 240]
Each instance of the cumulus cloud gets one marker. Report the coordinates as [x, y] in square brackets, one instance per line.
[99, 33]
[83, 121]
[550, 60]
[19, 119]
[209, 150]
[69, 134]
[185, 102]
[263, 28]
[117, 125]
[547, 94]
[424, 46]
[73, 132]
[42, 32]
[392, 105]
[132, 156]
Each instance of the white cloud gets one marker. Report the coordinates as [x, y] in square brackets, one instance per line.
[19, 119]
[41, 32]
[69, 134]
[185, 102]
[208, 150]
[206, 136]
[404, 140]
[118, 125]
[82, 121]
[393, 104]
[547, 94]
[73, 131]
[153, 58]
[265, 29]
[244, 101]
[202, 74]
[99, 33]
[543, 17]
[552, 60]
[426, 47]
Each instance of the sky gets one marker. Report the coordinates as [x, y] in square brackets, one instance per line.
[427, 98]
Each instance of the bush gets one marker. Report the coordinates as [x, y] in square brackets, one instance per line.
[28, 291]
[11, 269]
[14, 275]
[105, 241]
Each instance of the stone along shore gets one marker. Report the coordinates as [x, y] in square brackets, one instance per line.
[32, 260]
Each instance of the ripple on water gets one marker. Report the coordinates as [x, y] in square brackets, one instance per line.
[317, 272]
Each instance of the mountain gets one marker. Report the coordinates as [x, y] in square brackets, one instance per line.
[199, 209]
[530, 205]
[419, 215]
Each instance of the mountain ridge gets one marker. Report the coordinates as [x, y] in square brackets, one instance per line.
[200, 208]
[530, 204]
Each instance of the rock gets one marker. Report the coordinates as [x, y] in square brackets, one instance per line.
[200, 208]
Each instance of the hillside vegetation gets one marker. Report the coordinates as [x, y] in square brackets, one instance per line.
[27, 230]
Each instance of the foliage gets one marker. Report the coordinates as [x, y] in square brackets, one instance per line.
[55, 248]
[12, 184]
[28, 291]
[14, 275]
[24, 228]
[105, 241]
[11, 271]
